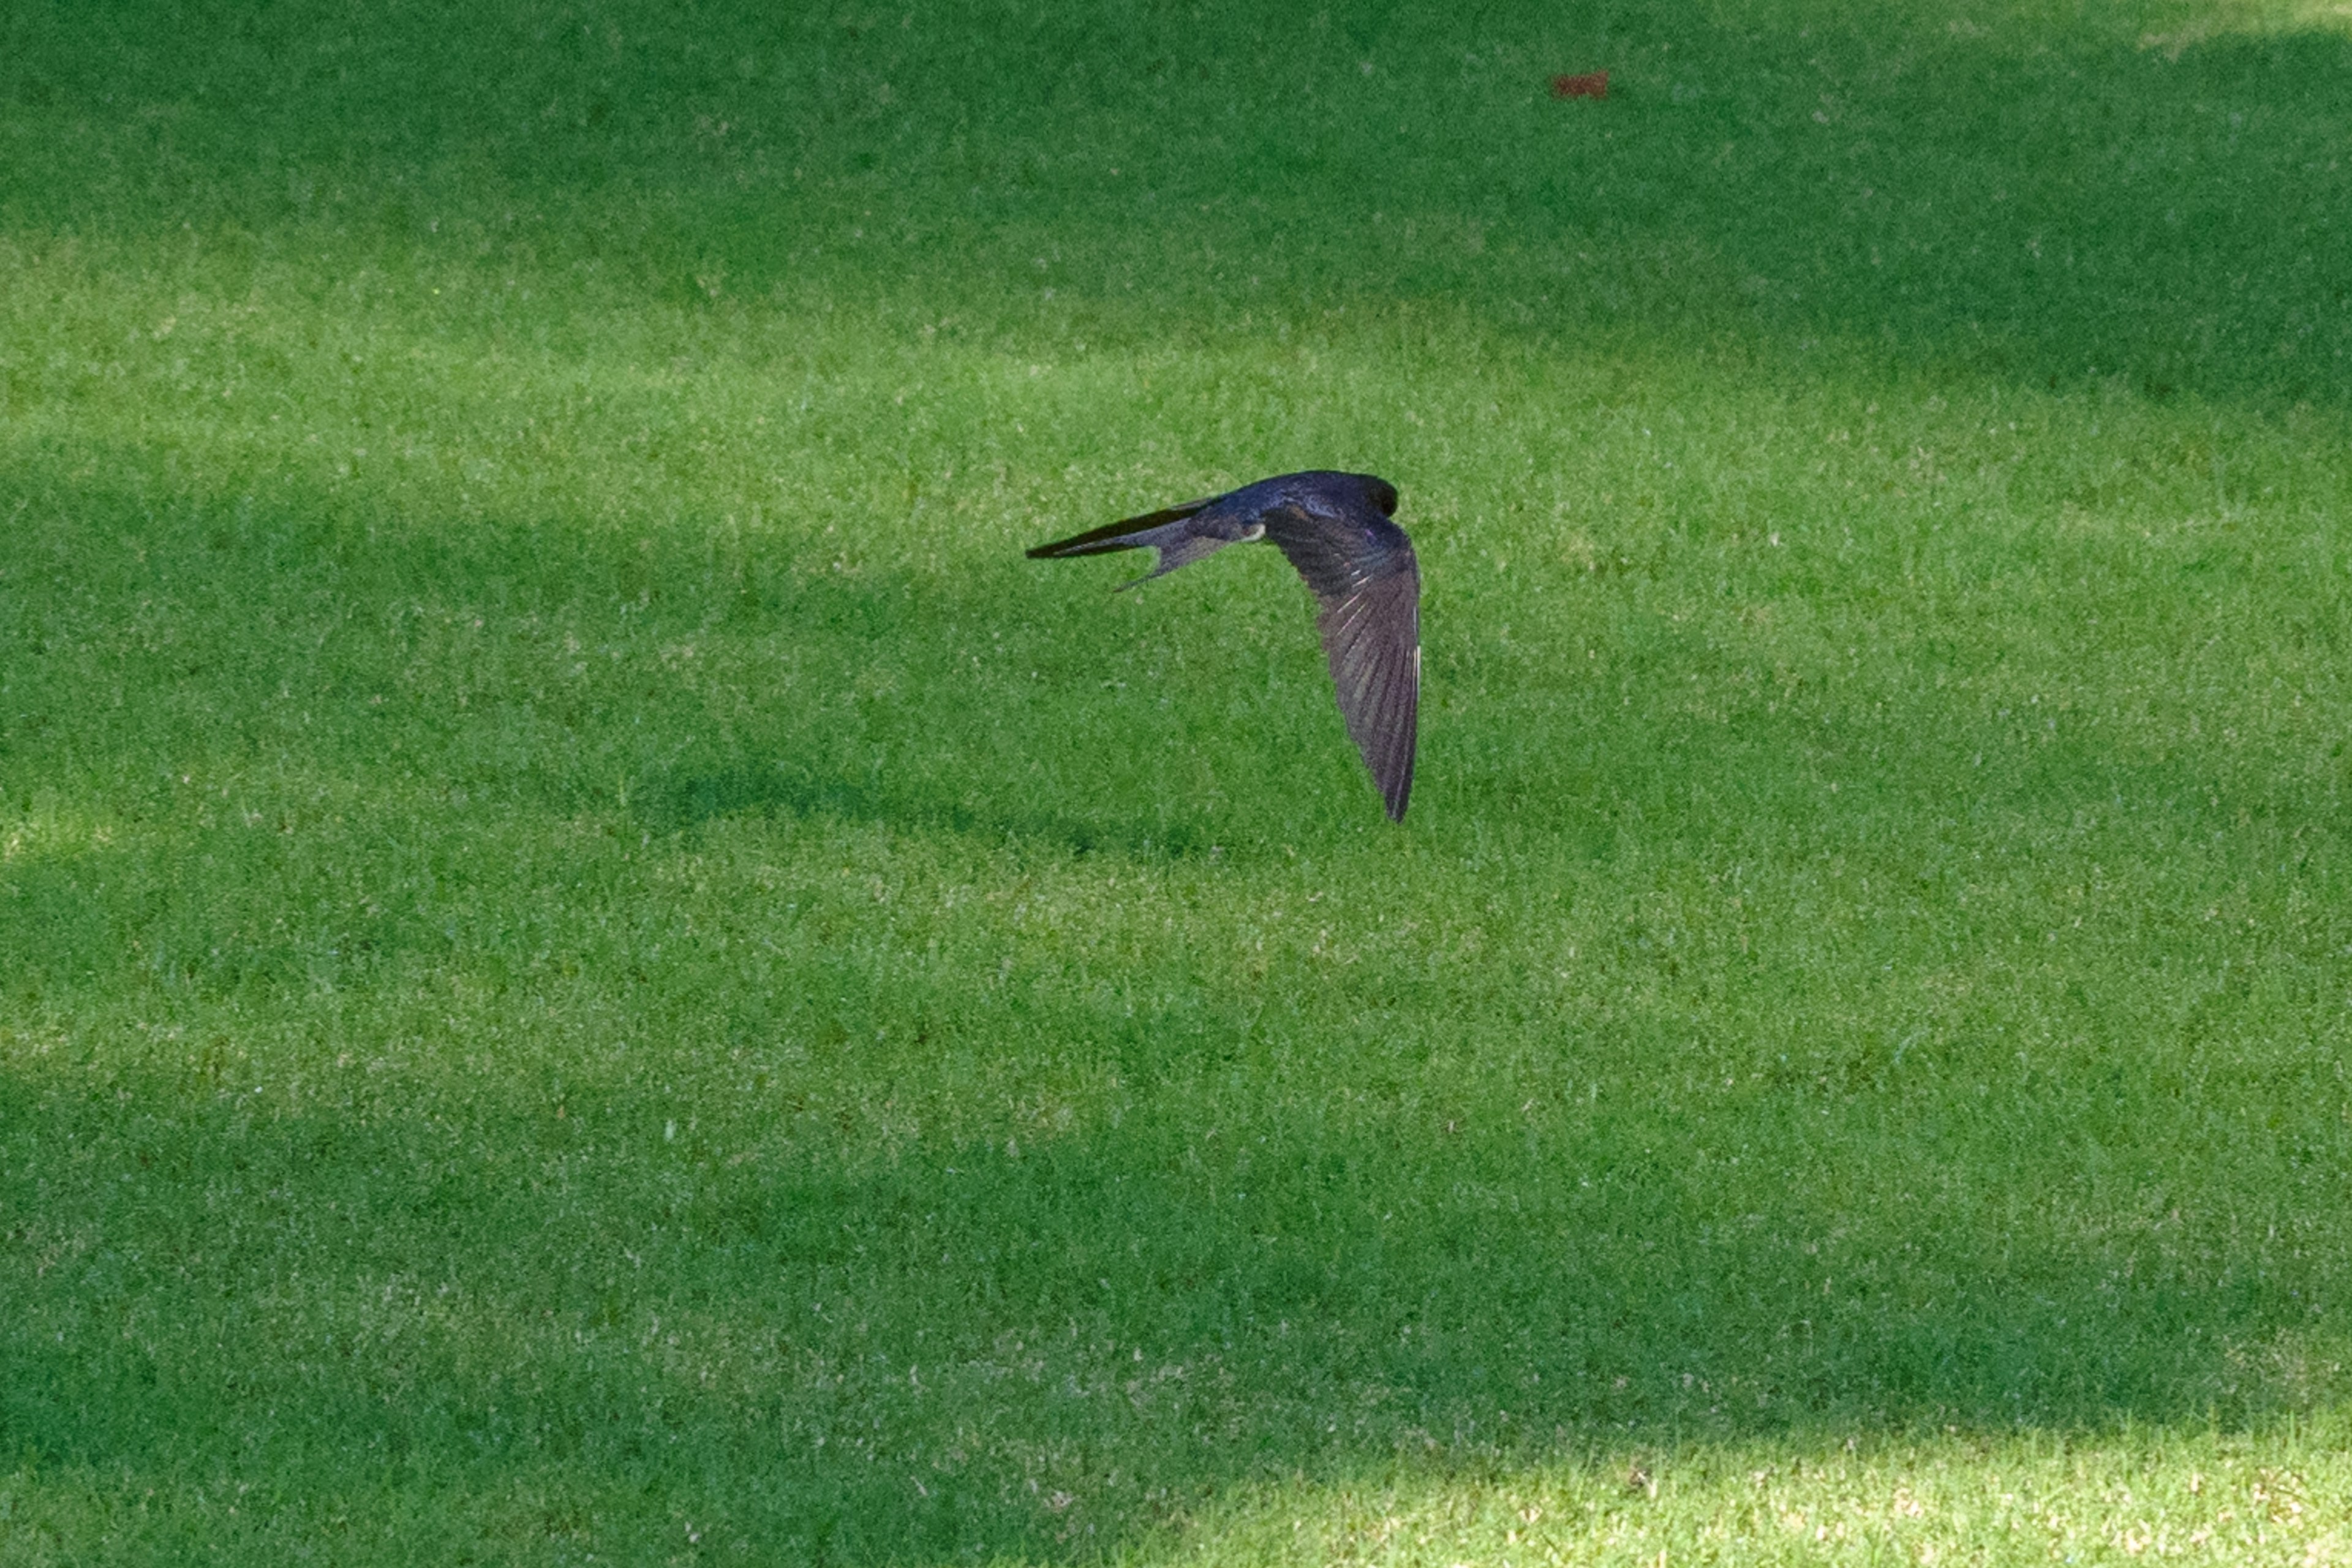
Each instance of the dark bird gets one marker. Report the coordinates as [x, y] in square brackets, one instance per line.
[1335, 529]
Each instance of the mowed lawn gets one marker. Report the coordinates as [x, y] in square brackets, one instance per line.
[594, 966]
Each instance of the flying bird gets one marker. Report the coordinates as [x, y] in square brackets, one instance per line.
[1336, 532]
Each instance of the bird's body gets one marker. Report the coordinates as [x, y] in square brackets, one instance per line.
[1336, 529]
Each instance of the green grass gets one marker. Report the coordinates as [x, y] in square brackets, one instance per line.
[590, 963]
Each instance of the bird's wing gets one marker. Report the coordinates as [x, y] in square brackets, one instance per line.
[1368, 584]
[1374, 639]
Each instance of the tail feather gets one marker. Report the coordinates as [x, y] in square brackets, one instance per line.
[1118, 535]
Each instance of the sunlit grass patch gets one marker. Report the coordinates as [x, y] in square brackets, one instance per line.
[50, 829]
[2133, 1496]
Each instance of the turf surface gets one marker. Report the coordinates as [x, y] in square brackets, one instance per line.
[592, 964]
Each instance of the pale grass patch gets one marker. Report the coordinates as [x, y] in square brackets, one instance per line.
[2017, 1498]
[2222, 18]
[50, 829]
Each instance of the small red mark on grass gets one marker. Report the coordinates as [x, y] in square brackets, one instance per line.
[1591, 84]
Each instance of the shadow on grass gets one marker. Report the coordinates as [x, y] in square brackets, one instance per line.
[856, 1350]
[2057, 201]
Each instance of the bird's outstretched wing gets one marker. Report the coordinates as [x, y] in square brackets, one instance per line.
[1361, 570]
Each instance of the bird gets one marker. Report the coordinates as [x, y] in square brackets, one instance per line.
[1338, 530]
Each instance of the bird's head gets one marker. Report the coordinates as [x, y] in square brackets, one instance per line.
[1383, 494]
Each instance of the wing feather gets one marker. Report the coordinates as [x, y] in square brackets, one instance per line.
[1372, 638]
[1360, 568]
